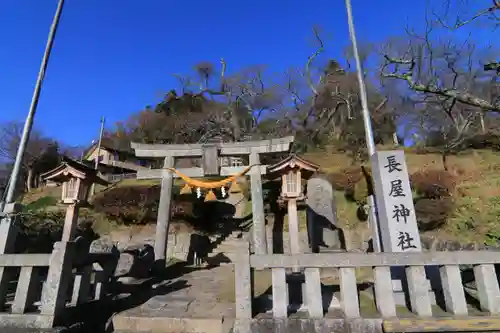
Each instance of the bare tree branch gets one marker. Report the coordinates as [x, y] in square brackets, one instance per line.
[459, 23]
[460, 96]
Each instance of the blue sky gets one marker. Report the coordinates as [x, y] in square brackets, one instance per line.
[113, 57]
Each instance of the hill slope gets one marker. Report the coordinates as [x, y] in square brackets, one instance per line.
[472, 212]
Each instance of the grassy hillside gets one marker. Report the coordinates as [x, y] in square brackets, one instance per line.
[475, 215]
[474, 199]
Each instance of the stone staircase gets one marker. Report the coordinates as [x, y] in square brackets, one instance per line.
[228, 245]
[191, 303]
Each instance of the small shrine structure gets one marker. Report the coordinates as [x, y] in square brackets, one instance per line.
[76, 179]
[292, 170]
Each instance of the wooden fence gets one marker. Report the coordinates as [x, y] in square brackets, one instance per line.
[114, 178]
[456, 315]
[36, 289]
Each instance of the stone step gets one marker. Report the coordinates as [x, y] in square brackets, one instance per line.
[226, 249]
[151, 324]
[230, 255]
[229, 246]
[177, 312]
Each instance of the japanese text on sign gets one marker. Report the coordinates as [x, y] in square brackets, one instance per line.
[398, 225]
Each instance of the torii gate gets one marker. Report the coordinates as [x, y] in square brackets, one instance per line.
[210, 154]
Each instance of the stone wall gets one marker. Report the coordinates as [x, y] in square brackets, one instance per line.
[178, 245]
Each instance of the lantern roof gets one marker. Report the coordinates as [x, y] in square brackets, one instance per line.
[70, 168]
[292, 162]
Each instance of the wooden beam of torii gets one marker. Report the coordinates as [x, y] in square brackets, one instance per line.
[210, 154]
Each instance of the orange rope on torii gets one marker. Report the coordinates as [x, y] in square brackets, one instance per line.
[190, 183]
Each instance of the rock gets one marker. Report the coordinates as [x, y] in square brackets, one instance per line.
[124, 265]
[102, 245]
[322, 215]
[135, 262]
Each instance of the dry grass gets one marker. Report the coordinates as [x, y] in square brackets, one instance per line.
[38, 193]
[329, 162]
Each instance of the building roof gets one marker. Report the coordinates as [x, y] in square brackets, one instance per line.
[109, 145]
[292, 161]
[71, 168]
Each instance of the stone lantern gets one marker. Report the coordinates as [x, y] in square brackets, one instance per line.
[76, 180]
[292, 170]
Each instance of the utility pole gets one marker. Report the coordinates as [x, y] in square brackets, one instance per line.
[34, 103]
[98, 151]
[370, 142]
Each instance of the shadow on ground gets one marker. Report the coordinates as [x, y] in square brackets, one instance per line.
[96, 316]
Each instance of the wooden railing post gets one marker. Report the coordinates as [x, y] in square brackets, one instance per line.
[384, 295]
[54, 294]
[487, 288]
[453, 290]
[349, 292]
[82, 285]
[280, 293]
[418, 289]
[26, 290]
[314, 299]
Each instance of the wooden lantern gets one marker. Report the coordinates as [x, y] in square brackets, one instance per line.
[291, 170]
[75, 190]
[76, 180]
[291, 184]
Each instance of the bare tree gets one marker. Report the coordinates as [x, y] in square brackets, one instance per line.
[464, 16]
[444, 82]
[451, 71]
[328, 102]
[454, 90]
[41, 152]
[322, 99]
[231, 104]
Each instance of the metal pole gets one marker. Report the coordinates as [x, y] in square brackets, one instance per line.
[34, 103]
[98, 151]
[370, 142]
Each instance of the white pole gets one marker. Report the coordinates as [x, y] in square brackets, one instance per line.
[370, 143]
[98, 151]
[34, 103]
